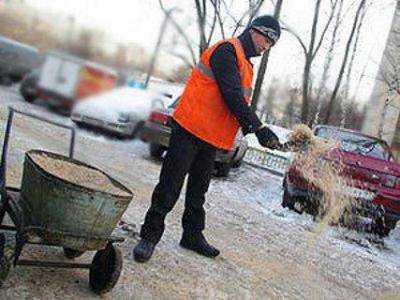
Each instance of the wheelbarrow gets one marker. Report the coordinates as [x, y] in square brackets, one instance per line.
[49, 210]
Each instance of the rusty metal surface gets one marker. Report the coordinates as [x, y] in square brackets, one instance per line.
[67, 214]
[52, 264]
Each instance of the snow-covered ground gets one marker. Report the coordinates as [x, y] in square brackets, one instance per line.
[266, 251]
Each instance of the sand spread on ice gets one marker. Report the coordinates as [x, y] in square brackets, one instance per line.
[323, 175]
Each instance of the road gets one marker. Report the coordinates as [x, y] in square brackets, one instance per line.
[267, 252]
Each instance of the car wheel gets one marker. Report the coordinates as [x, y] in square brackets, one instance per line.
[27, 97]
[222, 169]
[66, 112]
[156, 150]
[291, 202]
[287, 200]
[382, 227]
[137, 129]
[237, 164]
[5, 80]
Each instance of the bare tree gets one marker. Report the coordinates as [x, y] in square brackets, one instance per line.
[332, 99]
[289, 118]
[346, 106]
[263, 65]
[211, 15]
[311, 51]
[189, 43]
[328, 62]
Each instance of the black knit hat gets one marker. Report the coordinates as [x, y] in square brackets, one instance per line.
[268, 26]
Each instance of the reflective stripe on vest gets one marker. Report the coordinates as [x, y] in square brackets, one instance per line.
[206, 71]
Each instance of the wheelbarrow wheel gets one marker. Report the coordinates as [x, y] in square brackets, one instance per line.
[71, 253]
[5, 264]
[105, 269]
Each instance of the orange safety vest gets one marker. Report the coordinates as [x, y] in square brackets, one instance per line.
[201, 109]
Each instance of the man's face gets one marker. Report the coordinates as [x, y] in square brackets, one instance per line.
[261, 42]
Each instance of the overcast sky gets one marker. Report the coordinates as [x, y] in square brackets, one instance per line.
[139, 21]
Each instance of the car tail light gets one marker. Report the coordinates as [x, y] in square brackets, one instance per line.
[297, 179]
[388, 201]
[159, 117]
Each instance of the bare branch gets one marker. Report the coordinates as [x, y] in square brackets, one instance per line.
[181, 32]
[239, 23]
[213, 23]
[217, 7]
[228, 12]
[200, 9]
[217, 12]
[297, 37]
[182, 57]
[333, 9]
[314, 28]
[338, 82]
[253, 12]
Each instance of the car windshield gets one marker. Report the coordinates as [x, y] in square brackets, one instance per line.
[353, 142]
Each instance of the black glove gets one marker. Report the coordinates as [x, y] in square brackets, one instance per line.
[267, 138]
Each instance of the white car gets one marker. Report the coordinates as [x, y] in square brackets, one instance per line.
[121, 111]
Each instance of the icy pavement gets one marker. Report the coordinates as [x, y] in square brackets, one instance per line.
[266, 251]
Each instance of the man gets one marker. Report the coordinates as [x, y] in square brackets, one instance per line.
[214, 104]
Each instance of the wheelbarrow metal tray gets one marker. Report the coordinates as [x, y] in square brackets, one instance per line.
[68, 214]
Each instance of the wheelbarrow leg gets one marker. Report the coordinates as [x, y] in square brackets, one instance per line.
[20, 242]
[2, 214]
[3, 204]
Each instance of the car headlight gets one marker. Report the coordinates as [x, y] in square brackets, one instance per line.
[123, 118]
[358, 193]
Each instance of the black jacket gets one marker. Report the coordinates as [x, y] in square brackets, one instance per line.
[223, 63]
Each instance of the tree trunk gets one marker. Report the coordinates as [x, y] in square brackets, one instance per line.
[263, 65]
[305, 107]
[201, 20]
[332, 100]
[327, 64]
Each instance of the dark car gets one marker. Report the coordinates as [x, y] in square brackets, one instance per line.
[156, 131]
[16, 60]
[369, 168]
[28, 87]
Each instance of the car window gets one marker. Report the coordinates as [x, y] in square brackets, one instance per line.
[353, 142]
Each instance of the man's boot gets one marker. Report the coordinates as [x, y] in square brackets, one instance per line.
[143, 250]
[197, 243]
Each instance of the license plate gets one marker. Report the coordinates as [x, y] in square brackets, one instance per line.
[359, 193]
[92, 121]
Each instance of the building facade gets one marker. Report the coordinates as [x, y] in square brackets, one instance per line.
[383, 111]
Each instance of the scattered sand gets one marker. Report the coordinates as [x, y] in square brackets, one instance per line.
[77, 174]
[322, 174]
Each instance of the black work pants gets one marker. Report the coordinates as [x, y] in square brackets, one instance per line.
[186, 154]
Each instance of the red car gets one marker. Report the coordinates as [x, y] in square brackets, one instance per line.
[374, 173]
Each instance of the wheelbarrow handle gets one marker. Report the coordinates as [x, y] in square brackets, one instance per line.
[6, 140]
[4, 155]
